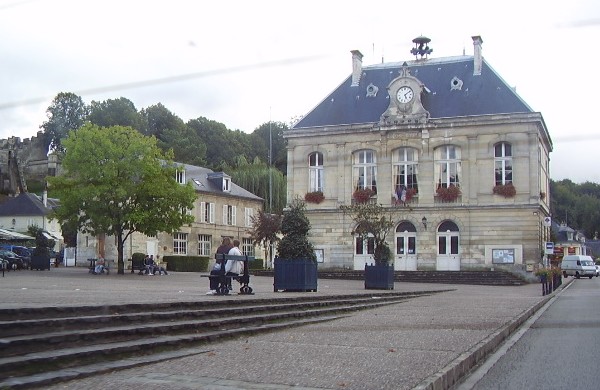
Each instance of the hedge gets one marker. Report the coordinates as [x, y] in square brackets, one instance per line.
[186, 263]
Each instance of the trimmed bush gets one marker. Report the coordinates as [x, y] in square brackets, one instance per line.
[256, 264]
[186, 263]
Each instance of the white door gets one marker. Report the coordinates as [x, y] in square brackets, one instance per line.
[406, 247]
[448, 257]
[363, 252]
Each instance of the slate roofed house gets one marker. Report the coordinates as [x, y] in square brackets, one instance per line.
[222, 209]
[458, 157]
[28, 209]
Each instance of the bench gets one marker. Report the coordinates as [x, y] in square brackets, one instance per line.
[225, 281]
[138, 265]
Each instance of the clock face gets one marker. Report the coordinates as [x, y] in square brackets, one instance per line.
[405, 94]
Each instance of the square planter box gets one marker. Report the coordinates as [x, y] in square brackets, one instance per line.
[379, 277]
[295, 275]
[40, 262]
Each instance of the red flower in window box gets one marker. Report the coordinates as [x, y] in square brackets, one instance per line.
[410, 193]
[363, 195]
[506, 190]
[314, 197]
[448, 194]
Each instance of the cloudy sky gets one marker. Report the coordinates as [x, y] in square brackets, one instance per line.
[243, 63]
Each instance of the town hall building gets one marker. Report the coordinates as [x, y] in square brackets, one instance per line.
[451, 151]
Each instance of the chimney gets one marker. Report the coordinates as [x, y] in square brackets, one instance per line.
[45, 198]
[477, 57]
[356, 67]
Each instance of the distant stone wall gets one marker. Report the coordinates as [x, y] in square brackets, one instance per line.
[32, 160]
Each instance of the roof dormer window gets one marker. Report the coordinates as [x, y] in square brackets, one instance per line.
[226, 184]
[180, 176]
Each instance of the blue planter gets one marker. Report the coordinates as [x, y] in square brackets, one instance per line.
[40, 262]
[295, 275]
[379, 277]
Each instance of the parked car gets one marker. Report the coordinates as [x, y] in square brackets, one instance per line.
[14, 260]
[21, 251]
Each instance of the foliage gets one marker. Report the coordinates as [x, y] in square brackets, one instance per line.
[506, 190]
[295, 227]
[363, 195]
[186, 263]
[118, 182]
[448, 194]
[42, 243]
[270, 134]
[265, 227]
[115, 112]
[577, 205]
[258, 178]
[67, 112]
[314, 197]
[410, 193]
[372, 221]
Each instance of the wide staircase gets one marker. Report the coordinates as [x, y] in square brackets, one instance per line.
[42, 346]
[487, 278]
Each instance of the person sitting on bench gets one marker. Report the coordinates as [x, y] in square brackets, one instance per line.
[224, 248]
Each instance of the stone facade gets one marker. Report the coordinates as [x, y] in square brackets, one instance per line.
[479, 229]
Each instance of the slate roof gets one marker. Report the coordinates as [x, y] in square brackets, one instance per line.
[485, 94]
[27, 204]
[198, 176]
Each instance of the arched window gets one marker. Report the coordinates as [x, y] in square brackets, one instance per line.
[447, 166]
[404, 169]
[315, 172]
[503, 163]
[364, 170]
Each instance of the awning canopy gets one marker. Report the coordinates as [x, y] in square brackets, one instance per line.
[50, 236]
[10, 235]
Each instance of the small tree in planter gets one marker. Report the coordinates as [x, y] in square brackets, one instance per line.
[40, 258]
[296, 261]
[372, 221]
[265, 227]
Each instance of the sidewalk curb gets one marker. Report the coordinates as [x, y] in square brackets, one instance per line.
[451, 374]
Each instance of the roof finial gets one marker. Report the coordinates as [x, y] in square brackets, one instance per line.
[421, 47]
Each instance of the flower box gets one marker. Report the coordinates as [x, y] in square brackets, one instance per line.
[379, 277]
[506, 190]
[363, 195]
[295, 275]
[448, 194]
[314, 197]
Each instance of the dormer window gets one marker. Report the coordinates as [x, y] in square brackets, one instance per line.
[226, 184]
[180, 176]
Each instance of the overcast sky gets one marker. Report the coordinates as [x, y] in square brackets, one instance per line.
[243, 63]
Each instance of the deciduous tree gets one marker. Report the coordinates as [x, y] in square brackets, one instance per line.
[117, 181]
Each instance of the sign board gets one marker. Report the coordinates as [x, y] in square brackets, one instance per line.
[547, 221]
[549, 248]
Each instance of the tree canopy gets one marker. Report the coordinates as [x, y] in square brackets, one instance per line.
[67, 112]
[117, 182]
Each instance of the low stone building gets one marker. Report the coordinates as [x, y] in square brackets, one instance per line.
[451, 151]
[222, 209]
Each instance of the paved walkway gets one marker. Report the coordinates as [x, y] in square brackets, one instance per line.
[401, 346]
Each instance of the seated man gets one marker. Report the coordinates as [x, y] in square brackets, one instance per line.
[100, 266]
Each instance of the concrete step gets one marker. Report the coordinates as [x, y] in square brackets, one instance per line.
[40, 351]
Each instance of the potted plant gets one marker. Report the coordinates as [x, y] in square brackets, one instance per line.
[448, 194]
[296, 261]
[506, 190]
[372, 222]
[40, 258]
[314, 197]
[363, 195]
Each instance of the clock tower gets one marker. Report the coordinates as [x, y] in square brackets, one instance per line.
[405, 100]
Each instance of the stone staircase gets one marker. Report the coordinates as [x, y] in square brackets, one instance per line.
[487, 278]
[42, 346]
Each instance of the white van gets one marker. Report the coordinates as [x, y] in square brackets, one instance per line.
[578, 265]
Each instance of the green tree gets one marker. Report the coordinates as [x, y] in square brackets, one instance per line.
[67, 112]
[265, 227]
[372, 222]
[222, 144]
[115, 112]
[261, 180]
[118, 182]
[295, 227]
[270, 134]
